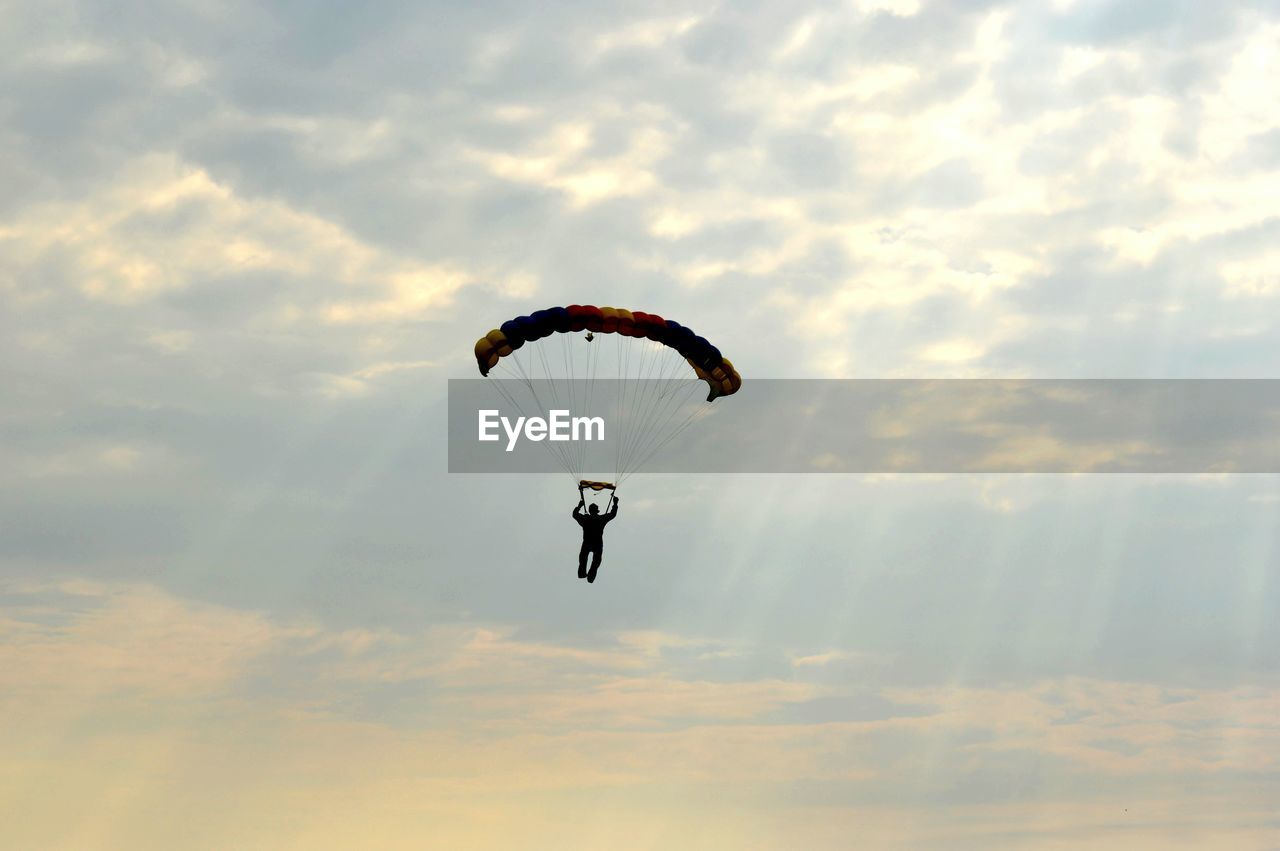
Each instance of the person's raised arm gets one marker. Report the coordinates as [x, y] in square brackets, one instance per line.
[613, 510]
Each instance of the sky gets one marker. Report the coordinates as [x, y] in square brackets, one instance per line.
[243, 604]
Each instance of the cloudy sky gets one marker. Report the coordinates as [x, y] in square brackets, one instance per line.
[242, 246]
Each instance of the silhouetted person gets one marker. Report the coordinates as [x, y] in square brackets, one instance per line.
[592, 524]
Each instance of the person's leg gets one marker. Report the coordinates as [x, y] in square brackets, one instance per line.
[595, 563]
[582, 561]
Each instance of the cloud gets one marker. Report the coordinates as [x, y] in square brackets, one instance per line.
[242, 246]
[241, 698]
[121, 248]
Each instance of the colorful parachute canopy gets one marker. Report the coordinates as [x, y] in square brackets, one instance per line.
[595, 486]
[705, 359]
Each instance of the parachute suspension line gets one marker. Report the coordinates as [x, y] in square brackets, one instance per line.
[622, 398]
[512, 400]
[559, 395]
[518, 373]
[567, 354]
[634, 397]
[558, 398]
[646, 396]
[640, 395]
[593, 367]
[571, 341]
[649, 383]
[658, 436]
[552, 384]
[556, 450]
[655, 396]
[688, 421]
[656, 402]
[676, 432]
[619, 389]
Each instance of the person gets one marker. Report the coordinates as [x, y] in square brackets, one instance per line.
[592, 523]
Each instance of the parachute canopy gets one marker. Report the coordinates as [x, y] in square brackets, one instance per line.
[705, 359]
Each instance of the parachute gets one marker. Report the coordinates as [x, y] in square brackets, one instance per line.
[707, 362]
[664, 361]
